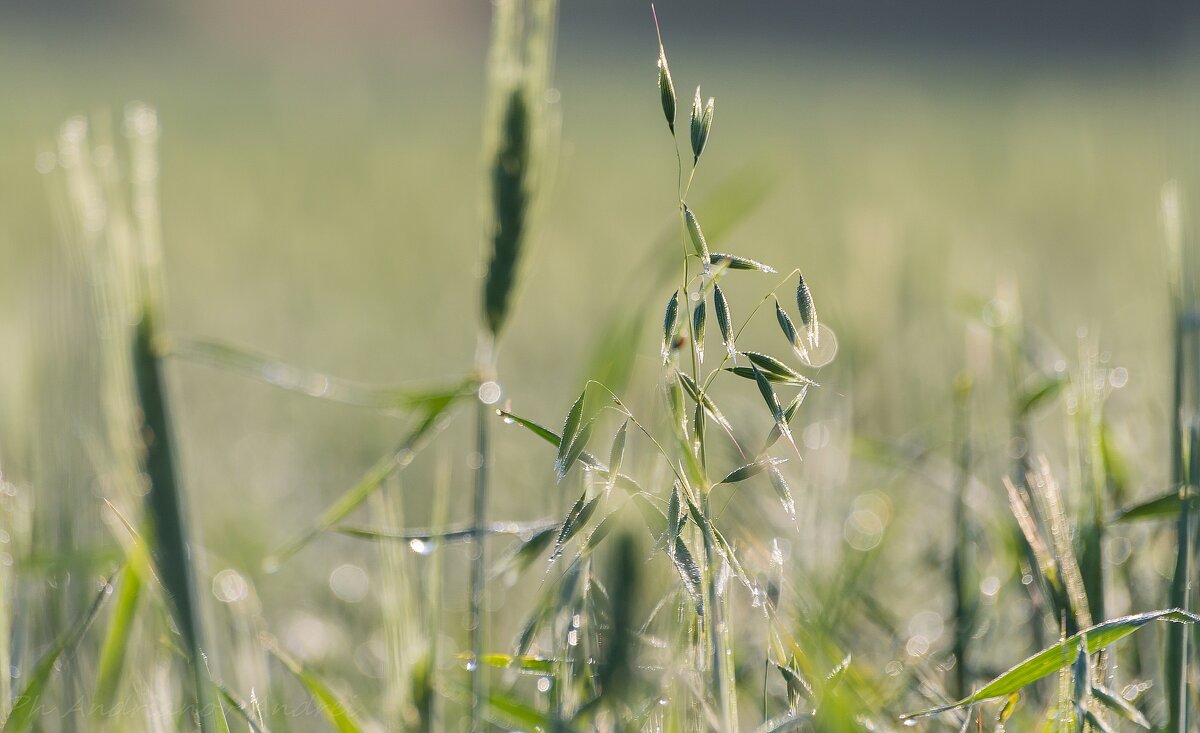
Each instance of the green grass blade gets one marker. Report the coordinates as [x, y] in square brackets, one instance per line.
[448, 536]
[511, 714]
[310, 382]
[1060, 656]
[527, 664]
[550, 437]
[27, 706]
[167, 509]
[523, 554]
[1042, 391]
[335, 711]
[1120, 706]
[1163, 506]
[432, 420]
[113, 652]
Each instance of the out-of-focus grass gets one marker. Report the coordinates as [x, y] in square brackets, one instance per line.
[330, 214]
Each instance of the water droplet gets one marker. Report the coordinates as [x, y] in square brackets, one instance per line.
[1118, 377]
[573, 637]
[349, 582]
[421, 547]
[543, 684]
[489, 393]
[471, 665]
[229, 586]
[990, 585]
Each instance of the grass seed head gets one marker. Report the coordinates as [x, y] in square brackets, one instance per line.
[808, 312]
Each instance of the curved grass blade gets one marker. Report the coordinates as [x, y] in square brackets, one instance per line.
[512, 714]
[737, 262]
[1120, 706]
[1040, 393]
[433, 419]
[1061, 655]
[310, 382]
[335, 711]
[1164, 506]
[526, 552]
[446, 536]
[28, 704]
[552, 438]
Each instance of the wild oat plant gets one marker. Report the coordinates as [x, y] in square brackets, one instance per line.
[654, 609]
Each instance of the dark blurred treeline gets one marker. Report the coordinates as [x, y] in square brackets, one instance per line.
[1014, 27]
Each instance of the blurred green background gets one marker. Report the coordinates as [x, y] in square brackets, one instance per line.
[321, 197]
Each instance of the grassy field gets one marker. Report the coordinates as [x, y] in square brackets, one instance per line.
[983, 238]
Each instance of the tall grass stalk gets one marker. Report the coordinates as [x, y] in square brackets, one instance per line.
[1185, 393]
[166, 504]
[520, 63]
[962, 564]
